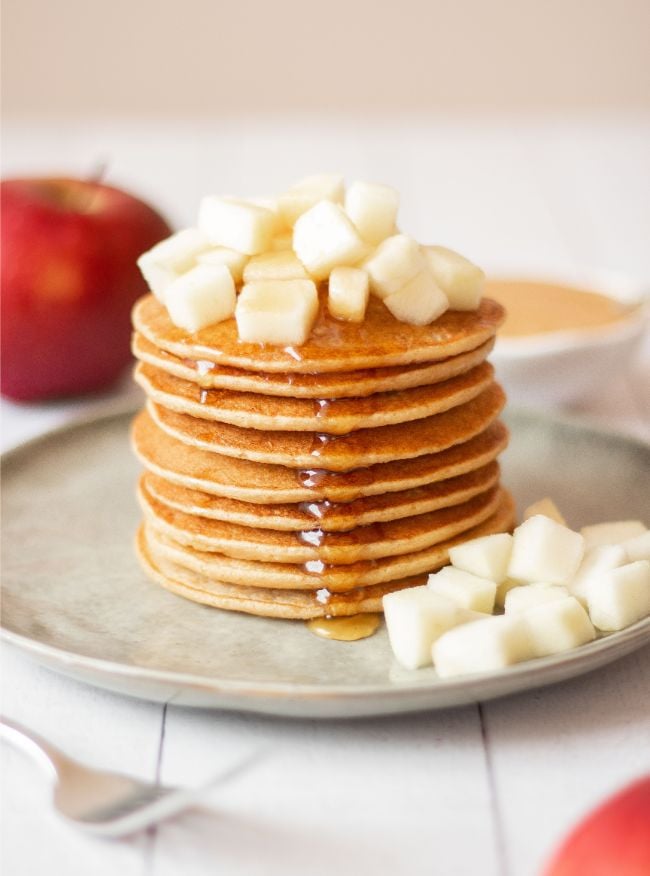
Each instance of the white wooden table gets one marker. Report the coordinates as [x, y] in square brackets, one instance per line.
[487, 789]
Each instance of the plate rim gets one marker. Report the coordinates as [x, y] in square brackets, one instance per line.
[630, 636]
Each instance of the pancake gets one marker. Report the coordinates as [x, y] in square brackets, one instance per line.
[317, 576]
[371, 542]
[328, 516]
[335, 384]
[332, 416]
[333, 345]
[361, 448]
[285, 604]
[255, 482]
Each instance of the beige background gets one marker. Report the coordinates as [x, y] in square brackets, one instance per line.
[203, 58]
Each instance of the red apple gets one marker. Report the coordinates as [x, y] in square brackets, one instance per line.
[614, 840]
[69, 280]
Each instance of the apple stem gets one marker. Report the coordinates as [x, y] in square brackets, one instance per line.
[99, 172]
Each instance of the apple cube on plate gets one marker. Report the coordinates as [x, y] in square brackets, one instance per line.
[418, 302]
[221, 255]
[276, 311]
[396, 260]
[637, 548]
[238, 225]
[543, 550]
[547, 507]
[487, 557]
[613, 532]
[348, 294]
[596, 560]
[526, 596]
[460, 280]
[324, 238]
[620, 597]
[557, 625]
[482, 646]
[201, 297]
[274, 266]
[307, 192]
[415, 617]
[170, 258]
[373, 209]
[467, 590]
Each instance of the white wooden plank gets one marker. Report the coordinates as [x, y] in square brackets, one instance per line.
[399, 795]
[96, 727]
[558, 751]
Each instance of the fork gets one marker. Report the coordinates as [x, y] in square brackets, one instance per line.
[105, 803]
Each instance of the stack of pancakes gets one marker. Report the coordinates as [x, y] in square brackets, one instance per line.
[309, 481]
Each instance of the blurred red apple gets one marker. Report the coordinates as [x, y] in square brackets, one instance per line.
[69, 279]
[614, 840]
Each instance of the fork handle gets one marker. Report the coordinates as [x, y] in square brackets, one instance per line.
[39, 749]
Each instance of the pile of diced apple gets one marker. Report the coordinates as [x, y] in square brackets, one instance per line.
[261, 260]
[556, 587]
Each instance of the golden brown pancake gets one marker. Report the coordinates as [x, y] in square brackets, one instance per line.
[281, 604]
[334, 384]
[256, 482]
[317, 576]
[328, 516]
[376, 540]
[334, 416]
[361, 448]
[379, 341]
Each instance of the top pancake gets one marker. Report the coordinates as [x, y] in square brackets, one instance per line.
[334, 384]
[333, 345]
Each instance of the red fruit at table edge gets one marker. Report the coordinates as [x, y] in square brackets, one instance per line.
[614, 840]
[69, 280]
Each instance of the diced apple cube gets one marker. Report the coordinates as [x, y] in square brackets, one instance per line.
[469, 591]
[274, 266]
[523, 597]
[418, 302]
[348, 294]
[637, 548]
[238, 225]
[396, 260]
[324, 238]
[307, 192]
[547, 507]
[203, 296]
[503, 589]
[373, 209]
[613, 532]
[276, 311]
[487, 557]
[596, 560]
[460, 280]
[620, 597]
[543, 550]
[221, 255]
[170, 258]
[415, 618]
[557, 625]
[482, 646]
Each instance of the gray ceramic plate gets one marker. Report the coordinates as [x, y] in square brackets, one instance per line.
[75, 600]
